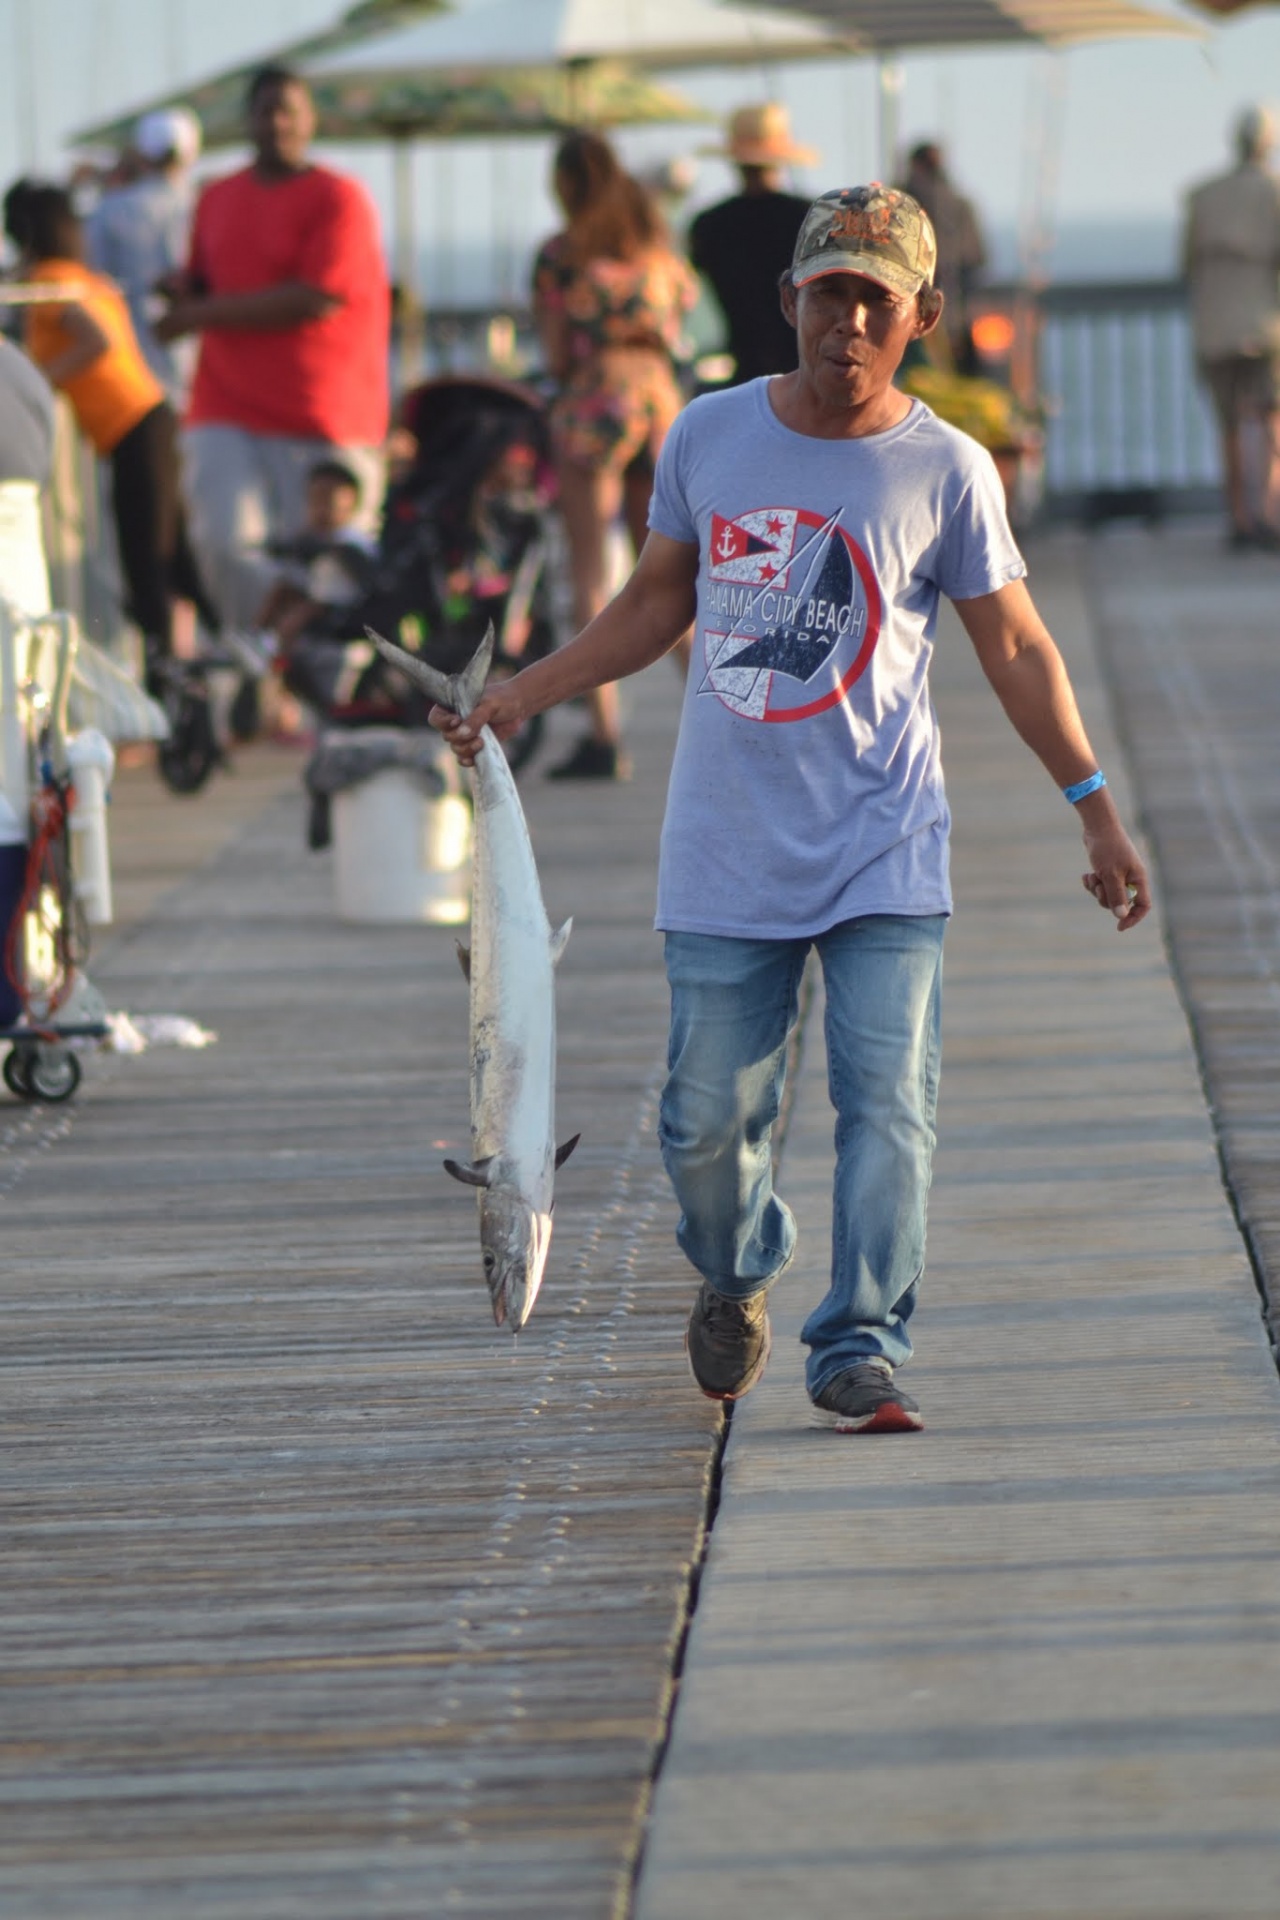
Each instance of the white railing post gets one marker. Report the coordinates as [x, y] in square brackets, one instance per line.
[13, 737]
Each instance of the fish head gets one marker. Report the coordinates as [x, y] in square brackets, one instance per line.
[514, 1241]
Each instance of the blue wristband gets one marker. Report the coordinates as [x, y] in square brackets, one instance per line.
[1083, 788]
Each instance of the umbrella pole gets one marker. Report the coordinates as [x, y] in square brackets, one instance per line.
[1041, 159]
[412, 328]
[889, 93]
[575, 72]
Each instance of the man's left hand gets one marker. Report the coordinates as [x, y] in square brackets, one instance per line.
[1117, 878]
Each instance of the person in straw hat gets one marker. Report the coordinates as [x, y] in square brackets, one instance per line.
[743, 244]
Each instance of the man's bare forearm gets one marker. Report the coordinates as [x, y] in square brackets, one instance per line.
[633, 631]
[1035, 692]
[266, 310]
[645, 621]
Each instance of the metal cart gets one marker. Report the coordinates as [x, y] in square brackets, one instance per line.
[46, 1000]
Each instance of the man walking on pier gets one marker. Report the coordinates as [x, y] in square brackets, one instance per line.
[810, 522]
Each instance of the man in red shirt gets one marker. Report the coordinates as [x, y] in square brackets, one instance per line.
[287, 288]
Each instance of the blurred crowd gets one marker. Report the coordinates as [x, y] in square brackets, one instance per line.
[226, 354]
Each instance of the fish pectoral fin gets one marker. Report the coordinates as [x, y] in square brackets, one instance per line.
[476, 1175]
[562, 1153]
[560, 940]
[464, 958]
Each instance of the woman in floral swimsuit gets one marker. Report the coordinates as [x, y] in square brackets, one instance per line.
[610, 297]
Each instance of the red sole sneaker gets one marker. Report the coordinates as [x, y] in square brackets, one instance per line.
[886, 1419]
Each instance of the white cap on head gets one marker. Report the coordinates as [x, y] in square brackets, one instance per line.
[169, 132]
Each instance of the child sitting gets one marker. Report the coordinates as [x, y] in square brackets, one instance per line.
[328, 563]
[462, 543]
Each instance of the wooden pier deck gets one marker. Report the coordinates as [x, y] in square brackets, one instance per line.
[321, 1595]
[322, 1599]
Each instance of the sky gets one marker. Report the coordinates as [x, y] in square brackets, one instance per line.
[1138, 122]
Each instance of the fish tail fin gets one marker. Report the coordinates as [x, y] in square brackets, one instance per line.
[459, 692]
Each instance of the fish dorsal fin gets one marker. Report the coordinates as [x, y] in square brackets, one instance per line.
[477, 1175]
[464, 958]
[562, 1153]
[460, 692]
[560, 940]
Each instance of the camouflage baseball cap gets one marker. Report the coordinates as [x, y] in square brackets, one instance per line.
[873, 230]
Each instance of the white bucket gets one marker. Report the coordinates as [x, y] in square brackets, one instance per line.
[399, 854]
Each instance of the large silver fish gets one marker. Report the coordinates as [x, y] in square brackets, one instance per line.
[511, 967]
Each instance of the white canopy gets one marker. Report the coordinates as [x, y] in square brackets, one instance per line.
[895, 25]
[532, 33]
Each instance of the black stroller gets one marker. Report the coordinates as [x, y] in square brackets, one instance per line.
[465, 540]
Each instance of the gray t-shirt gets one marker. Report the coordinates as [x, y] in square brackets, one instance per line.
[807, 783]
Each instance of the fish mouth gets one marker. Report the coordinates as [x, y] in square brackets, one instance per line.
[514, 1274]
[516, 1311]
[512, 1301]
[519, 1292]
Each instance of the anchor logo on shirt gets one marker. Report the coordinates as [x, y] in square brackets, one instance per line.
[752, 551]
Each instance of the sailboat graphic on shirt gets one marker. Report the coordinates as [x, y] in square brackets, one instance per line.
[799, 652]
[791, 613]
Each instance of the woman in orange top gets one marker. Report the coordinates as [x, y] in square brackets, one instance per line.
[87, 347]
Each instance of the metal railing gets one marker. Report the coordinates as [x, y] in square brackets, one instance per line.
[1127, 430]
[1128, 426]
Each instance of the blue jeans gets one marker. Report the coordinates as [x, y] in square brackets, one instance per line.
[733, 1003]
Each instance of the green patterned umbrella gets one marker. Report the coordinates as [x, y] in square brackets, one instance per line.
[403, 102]
[603, 93]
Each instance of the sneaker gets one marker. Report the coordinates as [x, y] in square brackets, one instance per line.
[593, 759]
[1262, 538]
[727, 1342]
[864, 1399]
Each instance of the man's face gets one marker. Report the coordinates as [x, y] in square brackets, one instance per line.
[282, 121]
[851, 333]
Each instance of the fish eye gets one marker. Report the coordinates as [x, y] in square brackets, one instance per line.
[489, 1262]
